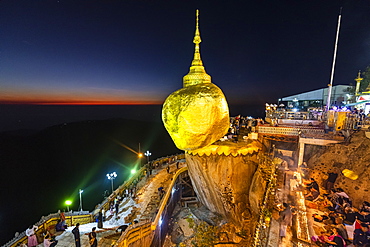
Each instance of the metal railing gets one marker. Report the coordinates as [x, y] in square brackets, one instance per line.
[289, 131]
[153, 233]
[126, 185]
[46, 222]
[85, 216]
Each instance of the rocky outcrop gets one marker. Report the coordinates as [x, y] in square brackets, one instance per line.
[226, 180]
[354, 156]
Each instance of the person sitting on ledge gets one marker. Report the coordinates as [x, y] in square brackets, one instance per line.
[312, 195]
[59, 226]
[312, 184]
[48, 242]
[319, 218]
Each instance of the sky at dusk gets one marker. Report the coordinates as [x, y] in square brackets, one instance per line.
[136, 52]
[81, 60]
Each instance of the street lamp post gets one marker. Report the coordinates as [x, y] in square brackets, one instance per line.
[81, 199]
[147, 154]
[140, 154]
[111, 177]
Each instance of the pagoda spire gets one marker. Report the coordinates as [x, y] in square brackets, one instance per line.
[197, 61]
[197, 73]
[358, 82]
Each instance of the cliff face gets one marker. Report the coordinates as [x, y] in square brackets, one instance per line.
[354, 156]
[227, 182]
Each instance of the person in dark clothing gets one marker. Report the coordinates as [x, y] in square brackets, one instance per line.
[168, 169]
[329, 183]
[365, 206]
[313, 184]
[350, 216]
[361, 237]
[92, 238]
[117, 208]
[335, 239]
[59, 227]
[100, 219]
[76, 234]
[122, 228]
[364, 217]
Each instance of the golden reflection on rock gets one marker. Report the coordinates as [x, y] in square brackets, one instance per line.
[196, 115]
[350, 174]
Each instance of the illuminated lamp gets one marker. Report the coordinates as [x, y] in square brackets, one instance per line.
[68, 203]
[160, 221]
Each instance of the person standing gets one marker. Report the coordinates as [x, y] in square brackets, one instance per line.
[117, 207]
[76, 234]
[63, 220]
[286, 219]
[92, 238]
[100, 219]
[31, 235]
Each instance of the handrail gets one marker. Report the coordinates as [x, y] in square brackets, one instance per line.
[291, 131]
[46, 221]
[121, 188]
[139, 231]
[167, 195]
[69, 215]
[261, 219]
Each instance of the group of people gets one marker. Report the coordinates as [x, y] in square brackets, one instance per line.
[240, 125]
[344, 225]
[114, 205]
[92, 236]
[49, 239]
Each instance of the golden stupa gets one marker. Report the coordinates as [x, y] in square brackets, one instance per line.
[196, 115]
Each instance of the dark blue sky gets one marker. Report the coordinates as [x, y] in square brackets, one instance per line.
[119, 51]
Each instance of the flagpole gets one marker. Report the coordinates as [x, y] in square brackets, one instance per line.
[334, 59]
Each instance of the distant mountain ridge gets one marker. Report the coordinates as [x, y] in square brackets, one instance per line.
[44, 168]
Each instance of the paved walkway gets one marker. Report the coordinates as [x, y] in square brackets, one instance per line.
[284, 193]
[144, 207]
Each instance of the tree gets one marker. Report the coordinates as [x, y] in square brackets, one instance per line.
[366, 81]
[205, 235]
[363, 85]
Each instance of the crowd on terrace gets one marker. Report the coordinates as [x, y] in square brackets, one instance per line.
[337, 223]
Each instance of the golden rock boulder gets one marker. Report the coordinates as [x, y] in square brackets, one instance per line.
[196, 115]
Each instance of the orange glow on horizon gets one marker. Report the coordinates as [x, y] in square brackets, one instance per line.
[30, 102]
